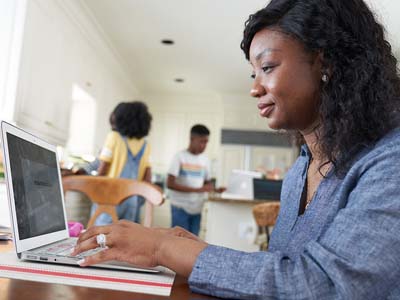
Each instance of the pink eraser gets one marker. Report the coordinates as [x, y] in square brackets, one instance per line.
[74, 228]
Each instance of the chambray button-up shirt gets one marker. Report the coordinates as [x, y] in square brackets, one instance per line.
[345, 246]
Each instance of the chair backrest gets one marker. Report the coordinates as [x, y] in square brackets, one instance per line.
[109, 192]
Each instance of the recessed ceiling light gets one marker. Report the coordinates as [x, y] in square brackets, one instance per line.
[180, 80]
[167, 42]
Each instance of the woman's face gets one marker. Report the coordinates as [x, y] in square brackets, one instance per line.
[286, 81]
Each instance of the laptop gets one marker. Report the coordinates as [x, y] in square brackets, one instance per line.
[36, 202]
[240, 185]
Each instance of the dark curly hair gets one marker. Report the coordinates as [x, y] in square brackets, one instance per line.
[360, 101]
[112, 116]
[132, 119]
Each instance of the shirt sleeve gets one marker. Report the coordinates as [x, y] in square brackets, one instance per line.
[107, 151]
[175, 166]
[356, 257]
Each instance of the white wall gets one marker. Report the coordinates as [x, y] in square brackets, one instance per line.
[241, 112]
[63, 46]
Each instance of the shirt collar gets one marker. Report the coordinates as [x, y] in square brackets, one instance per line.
[304, 151]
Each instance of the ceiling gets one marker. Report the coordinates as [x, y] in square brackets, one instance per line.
[207, 34]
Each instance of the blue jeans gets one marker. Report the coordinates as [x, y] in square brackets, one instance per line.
[129, 210]
[185, 220]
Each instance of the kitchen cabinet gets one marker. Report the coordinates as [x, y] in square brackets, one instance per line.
[45, 85]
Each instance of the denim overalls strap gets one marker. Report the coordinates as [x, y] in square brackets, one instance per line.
[131, 168]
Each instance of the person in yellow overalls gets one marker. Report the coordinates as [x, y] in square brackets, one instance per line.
[126, 154]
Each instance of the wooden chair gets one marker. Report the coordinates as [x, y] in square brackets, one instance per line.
[107, 193]
[265, 215]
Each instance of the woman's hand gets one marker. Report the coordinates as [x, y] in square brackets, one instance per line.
[174, 248]
[125, 241]
[179, 232]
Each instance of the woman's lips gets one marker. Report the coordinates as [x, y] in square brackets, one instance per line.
[266, 109]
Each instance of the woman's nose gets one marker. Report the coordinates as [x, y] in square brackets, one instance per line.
[254, 93]
[257, 90]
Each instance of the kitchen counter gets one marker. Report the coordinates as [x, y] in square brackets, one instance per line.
[230, 223]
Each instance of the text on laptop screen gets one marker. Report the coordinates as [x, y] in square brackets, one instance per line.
[36, 188]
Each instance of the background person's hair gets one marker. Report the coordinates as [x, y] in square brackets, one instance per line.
[112, 116]
[360, 100]
[132, 119]
[200, 130]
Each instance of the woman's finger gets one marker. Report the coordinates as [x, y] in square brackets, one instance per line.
[91, 243]
[85, 245]
[102, 256]
[93, 231]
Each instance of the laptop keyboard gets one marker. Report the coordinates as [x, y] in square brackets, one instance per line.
[63, 249]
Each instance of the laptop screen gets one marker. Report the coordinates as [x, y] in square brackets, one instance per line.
[36, 187]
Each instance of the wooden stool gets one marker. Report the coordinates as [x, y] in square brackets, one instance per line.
[265, 215]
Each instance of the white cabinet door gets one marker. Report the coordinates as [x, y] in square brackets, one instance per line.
[168, 135]
[12, 16]
[45, 83]
[231, 157]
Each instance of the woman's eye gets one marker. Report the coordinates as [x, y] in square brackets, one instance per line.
[267, 69]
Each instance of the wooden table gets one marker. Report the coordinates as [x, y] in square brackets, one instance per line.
[11, 289]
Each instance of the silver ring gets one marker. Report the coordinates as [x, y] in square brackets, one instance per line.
[101, 240]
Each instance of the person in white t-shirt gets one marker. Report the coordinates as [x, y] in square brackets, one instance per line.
[189, 181]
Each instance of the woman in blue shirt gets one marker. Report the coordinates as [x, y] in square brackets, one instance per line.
[324, 72]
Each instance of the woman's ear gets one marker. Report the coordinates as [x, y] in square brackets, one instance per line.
[326, 71]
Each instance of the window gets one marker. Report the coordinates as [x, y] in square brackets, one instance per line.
[82, 123]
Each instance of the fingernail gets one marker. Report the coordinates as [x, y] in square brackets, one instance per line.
[83, 231]
[81, 262]
[72, 251]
